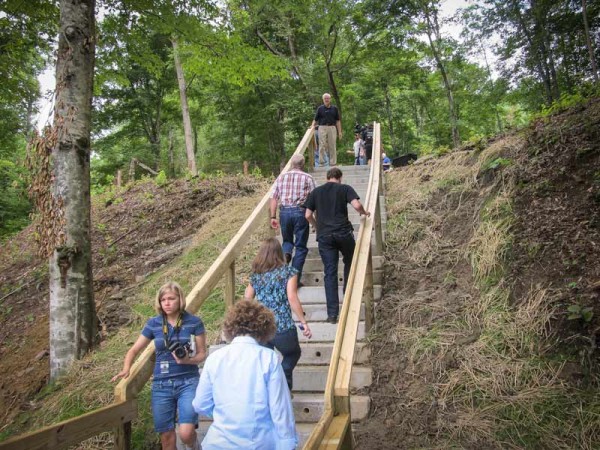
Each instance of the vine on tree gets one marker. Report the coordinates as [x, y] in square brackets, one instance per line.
[48, 217]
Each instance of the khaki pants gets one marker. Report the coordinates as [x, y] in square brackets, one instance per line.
[327, 138]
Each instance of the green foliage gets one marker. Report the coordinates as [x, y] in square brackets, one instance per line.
[577, 312]
[161, 179]
[496, 163]
[565, 102]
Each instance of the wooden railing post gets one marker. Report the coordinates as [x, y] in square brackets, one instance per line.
[123, 437]
[368, 294]
[310, 167]
[378, 229]
[230, 285]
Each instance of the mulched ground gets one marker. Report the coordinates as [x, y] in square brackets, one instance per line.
[556, 245]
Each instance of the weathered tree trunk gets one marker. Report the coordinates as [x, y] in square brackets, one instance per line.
[588, 41]
[185, 110]
[433, 27]
[171, 156]
[73, 321]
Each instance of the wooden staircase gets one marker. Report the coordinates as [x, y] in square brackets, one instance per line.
[310, 375]
[334, 363]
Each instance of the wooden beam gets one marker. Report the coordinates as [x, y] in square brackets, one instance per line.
[229, 291]
[73, 431]
[368, 295]
[335, 435]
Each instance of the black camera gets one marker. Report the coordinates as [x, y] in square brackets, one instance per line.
[180, 350]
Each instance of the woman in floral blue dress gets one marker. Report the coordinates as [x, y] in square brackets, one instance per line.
[275, 285]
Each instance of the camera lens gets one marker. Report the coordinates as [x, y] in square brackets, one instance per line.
[180, 352]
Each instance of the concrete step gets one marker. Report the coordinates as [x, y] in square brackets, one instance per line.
[316, 294]
[316, 353]
[317, 278]
[319, 353]
[313, 250]
[314, 378]
[344, 169]
[303, 431]
[316, 264]
[325, 332]
[309, 407]
[318, 313]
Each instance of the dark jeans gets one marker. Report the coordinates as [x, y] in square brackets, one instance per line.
[287, 344]
[294, 231]
[330, 247]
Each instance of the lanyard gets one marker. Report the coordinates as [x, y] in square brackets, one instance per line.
[176, 328]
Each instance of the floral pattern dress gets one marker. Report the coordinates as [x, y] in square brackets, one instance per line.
[271, 290]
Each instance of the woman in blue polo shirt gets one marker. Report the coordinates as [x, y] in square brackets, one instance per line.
[176, 371]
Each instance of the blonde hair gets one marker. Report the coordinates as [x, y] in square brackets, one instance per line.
[172, 287]
[269, 256]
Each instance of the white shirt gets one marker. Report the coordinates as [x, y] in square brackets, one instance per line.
[357, 145]
[243, 388]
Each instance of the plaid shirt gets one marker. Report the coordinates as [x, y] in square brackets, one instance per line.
[292, 188]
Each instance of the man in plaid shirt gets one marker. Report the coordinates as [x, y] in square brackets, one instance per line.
[290, 191]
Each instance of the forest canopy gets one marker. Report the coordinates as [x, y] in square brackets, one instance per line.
[254, 72]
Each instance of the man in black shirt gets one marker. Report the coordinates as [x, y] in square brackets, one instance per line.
[335, 233]
[328, 119]
[367, 136]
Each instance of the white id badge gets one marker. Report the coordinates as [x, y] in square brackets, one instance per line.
[164, 367]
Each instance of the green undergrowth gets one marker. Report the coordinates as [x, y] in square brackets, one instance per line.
[497, 369]
[87, 385]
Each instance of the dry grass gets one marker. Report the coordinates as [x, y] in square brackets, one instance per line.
[505, 387]
[87, 386]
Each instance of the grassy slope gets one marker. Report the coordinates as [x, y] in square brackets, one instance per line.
[473, 347]
[87, 386]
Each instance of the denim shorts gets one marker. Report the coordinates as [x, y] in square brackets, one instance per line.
[170, 398]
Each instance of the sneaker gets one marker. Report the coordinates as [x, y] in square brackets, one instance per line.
[332, 319]
[288, 258]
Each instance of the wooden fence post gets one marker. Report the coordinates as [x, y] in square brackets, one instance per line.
[230, 285]
[119, 178]
[378, 230]
[368, 294]
[123, 437]
[246, 165]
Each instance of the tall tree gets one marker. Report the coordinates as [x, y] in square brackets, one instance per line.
[73, 322]
[588, 41]
[432, 29]
[185, 111]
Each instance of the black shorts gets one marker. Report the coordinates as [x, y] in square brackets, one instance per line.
[369, 150]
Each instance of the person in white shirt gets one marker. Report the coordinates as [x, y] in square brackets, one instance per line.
[359, 151]
[243, 387]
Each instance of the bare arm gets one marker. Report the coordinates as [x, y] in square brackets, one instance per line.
[292, 294]
[273, 213]
[309, 215]
[139, 345]
[249, 293]
[357, 205]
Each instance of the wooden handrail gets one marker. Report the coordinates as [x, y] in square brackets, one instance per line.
[333, 429]
[69, 432]
[118, 416]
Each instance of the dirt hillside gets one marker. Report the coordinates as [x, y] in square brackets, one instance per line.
[488, 329]
[136, 231]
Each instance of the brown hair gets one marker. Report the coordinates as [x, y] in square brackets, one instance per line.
[173, 287]
[334, 172]
[269, 256]
[249, 318]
